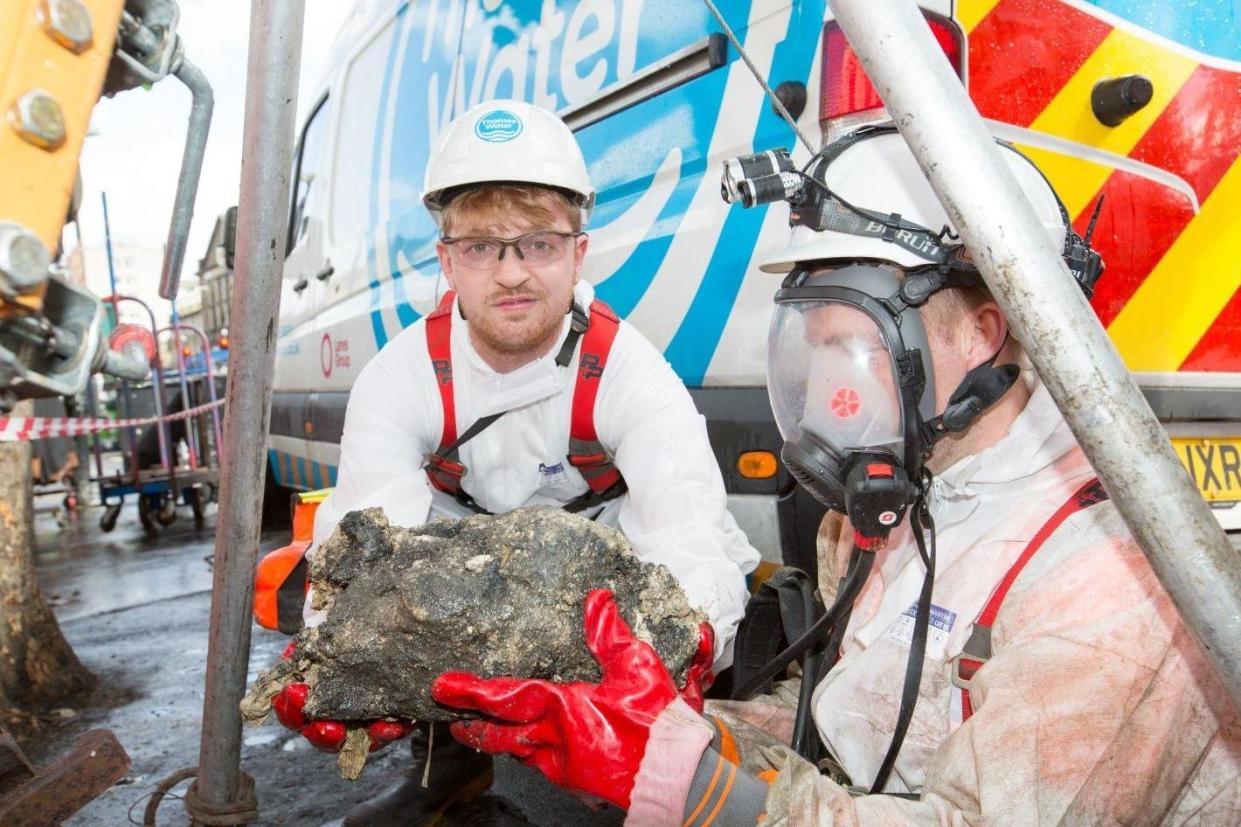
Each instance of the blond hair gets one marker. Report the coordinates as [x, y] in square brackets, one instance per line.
[532, 205]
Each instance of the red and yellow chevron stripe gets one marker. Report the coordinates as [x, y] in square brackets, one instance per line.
[1171, 296]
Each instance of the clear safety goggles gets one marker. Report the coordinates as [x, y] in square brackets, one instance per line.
[485, 252]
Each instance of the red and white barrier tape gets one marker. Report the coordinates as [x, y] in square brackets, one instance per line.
[25, 428]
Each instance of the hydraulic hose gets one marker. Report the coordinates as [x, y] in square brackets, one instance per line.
[813, 671]
[810, 664]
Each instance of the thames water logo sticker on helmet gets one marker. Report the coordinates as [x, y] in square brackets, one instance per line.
[498, 126]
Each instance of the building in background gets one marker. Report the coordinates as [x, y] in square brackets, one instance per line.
[215, 278]
[204, 298]
[137, 268]
[190, 302]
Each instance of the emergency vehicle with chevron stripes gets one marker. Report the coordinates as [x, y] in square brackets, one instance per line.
[1135, 100]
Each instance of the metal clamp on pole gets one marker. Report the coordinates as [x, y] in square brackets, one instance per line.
[1188, 550]
[271, 103]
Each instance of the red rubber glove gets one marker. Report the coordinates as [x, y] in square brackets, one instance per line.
[700, 677]
[328, 736]
[385, 732]
[585, 736]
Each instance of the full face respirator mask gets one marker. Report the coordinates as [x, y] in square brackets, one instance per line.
[853, 393]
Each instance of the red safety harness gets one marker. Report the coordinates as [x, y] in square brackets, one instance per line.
[597, 332]
[977, 650]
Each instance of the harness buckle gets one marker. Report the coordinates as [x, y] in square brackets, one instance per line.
[588, 461]
[445, 474]
[975, 653]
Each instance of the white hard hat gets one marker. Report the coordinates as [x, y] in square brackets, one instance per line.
[507, 141]
[880, 174]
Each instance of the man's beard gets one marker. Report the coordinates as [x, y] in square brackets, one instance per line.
[538, 325]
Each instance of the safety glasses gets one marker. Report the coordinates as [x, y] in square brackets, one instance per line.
[485, 252]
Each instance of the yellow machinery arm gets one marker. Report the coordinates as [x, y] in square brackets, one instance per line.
[56, 58]
[53, 58]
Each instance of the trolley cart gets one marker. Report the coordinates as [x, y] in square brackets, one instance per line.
[161, 487]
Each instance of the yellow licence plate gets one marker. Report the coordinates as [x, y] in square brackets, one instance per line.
[1214, 463]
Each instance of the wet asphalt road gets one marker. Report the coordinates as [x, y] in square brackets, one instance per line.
[136, 611]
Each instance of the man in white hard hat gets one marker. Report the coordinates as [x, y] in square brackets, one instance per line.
[1006, 654]
[523, 389]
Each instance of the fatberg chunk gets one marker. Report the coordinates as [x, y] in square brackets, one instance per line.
[494, 595]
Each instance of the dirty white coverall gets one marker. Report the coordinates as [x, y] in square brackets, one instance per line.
[1095, 708]
[674, 513]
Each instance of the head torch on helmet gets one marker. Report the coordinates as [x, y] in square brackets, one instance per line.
[817, 206]
[762, 178]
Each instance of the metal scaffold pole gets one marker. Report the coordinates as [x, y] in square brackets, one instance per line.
[267, 145]
[1188, 550]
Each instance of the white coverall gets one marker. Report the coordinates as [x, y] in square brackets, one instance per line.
[1096, 706]
[674, 513]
